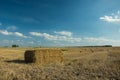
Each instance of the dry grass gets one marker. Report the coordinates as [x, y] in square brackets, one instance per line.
[79, 64]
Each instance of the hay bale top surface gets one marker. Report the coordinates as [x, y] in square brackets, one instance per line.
[48, 51]
[38, 50]
[45, 49]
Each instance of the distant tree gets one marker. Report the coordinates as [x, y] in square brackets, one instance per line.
[14, 45]
[107, 45]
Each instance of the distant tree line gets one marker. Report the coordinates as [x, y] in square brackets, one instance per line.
[90, 46]
[99, 46]
[14, 45]
[107, 46]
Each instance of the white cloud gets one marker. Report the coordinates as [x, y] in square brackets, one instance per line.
[11, 28]
[65, 33]
[5, 32]
[45, 35]
[36, 34]
[19, 34]
[111, 18]
[56, 37]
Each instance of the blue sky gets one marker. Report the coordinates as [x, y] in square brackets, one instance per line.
[59, 22]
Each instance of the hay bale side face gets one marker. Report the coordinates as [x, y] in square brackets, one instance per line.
[45, 56]
[29, 56]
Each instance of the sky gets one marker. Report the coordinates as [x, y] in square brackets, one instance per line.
[59, 22]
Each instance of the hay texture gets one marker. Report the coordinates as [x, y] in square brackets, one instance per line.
[43, 56]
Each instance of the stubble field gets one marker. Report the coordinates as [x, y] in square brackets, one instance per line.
[90, 63]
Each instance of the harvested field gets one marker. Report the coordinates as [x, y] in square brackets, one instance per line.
[96, 63]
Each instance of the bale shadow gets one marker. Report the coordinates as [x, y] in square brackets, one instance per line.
[16, 61]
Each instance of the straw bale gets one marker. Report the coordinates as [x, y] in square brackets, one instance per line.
[44, 56]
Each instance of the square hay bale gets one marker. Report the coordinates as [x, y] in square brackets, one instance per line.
[43, 56]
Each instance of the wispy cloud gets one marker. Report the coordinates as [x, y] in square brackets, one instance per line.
[20, 2]
[0, 23]
[28, 19]
[12, 28]
[92, 39]
[5, 32]
[5, 41]
[56, 37]
[10, 42]
[65, 33]
[111, 18]
[101, 41]
[31, 42]
[18, 34]
[119, 30]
